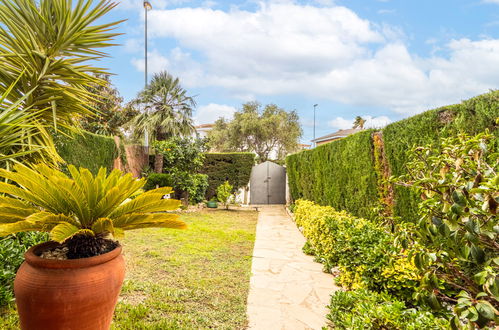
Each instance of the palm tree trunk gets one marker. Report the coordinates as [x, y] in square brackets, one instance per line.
[158, 163]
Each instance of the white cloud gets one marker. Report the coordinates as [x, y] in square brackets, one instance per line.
[286, 48]
[133, 45]
[491, 1]
[207, 114]
[371, 122]
[340, 123]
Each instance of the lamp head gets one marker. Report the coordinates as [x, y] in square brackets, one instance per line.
[315, 105]
[147, 5]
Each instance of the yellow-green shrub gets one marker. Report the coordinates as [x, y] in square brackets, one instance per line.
[362, 250]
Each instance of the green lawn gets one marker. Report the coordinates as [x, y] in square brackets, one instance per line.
[192, 279]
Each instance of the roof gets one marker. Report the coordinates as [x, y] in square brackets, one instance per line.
[337, 135]
[205, 126]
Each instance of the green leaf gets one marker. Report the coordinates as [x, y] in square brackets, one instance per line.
[65, 230]
[458, 198]
[103, 226]
[478, 254]
[457, 209]
[480, 277]
[433, 302]
[486, 310]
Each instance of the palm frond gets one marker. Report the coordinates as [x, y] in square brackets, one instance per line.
[46, 47]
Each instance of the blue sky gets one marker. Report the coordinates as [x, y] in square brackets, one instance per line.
[382, 59]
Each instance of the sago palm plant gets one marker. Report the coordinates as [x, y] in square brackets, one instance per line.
[81, 210]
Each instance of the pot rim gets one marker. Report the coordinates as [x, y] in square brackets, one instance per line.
[32, 257]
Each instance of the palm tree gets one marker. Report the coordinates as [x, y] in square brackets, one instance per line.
[166, 111]
[359, 122]
[46, 46]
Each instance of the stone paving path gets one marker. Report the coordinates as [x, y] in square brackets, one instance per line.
[288, 290]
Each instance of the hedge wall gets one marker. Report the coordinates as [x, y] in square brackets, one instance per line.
[87, 150]
[339, 174]
[342, 173]
[233, 167]
[471, 116]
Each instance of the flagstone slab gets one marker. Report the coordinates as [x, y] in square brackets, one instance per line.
[288, 290]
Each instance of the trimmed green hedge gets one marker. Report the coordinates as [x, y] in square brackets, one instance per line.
[233, 167]
[472, 116]
[339, 174]
[342, 173]
[87, 150]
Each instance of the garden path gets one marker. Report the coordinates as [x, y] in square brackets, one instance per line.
[288, 290]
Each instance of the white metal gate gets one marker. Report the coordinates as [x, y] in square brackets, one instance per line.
[268, 184]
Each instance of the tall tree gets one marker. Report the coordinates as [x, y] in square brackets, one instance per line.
[166, 111]
[111, 117]
[47, 47]
[359, 122]
[271, 131]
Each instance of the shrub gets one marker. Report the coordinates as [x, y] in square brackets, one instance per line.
[182, 158]
[363, 309]
[12, 250]
[458, 231]
[233, 167]
[193, 185]
[223, 193]
[363, 250]
[181, 154]
[158, 180]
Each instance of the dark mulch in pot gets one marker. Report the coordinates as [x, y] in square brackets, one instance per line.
[80, 246]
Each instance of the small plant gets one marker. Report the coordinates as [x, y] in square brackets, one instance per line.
[224, 191]
[12, 250]
[83, 211]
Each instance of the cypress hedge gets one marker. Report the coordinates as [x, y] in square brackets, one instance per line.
[233, 167]
[343, 174]
[471, 116]
[87, 150]
[339, 174]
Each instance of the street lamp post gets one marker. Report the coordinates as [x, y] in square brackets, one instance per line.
[315, 106]
[147, 6]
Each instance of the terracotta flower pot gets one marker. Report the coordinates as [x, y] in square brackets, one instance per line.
[68, 294]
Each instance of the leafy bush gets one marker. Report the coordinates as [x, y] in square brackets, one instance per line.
[362, 249]
[363, 309]
[223, 193]
[182, 158]
[340, 174]
[87, 150]
[155, 180]
[194, 185]
[181, 154]
[233, 167]
[12, 250]
[458, 231]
